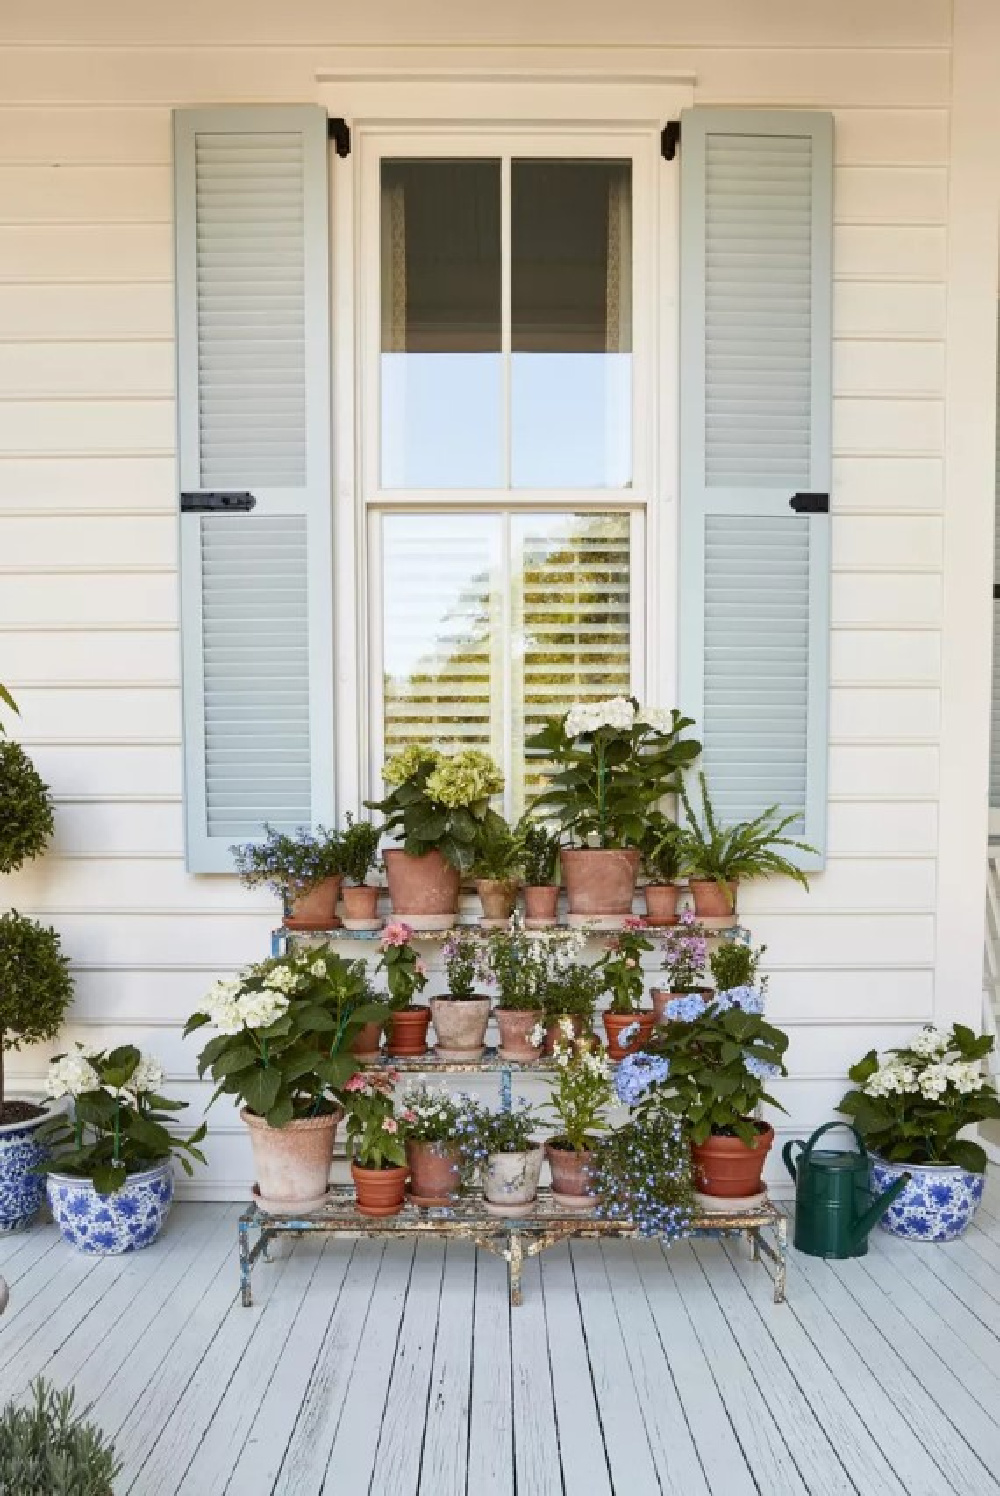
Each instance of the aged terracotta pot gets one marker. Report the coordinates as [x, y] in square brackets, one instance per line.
[541, 903]
[424, 890]
[728, 1168]
[460, 1026]
[380, 1192]
[292, 1163]
[510, 1181]
[408, 1032]
[572, 1184]
[435, 1172]
[515, 1024]
[367, 1042]
[600, 880]
[711, 901]
[315, 908]
[498, 897]
[615, 1023]
[661, 997]
[661, 903]
[361, 907]
[554, 1033]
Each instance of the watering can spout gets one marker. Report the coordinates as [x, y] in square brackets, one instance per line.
[880, 1204]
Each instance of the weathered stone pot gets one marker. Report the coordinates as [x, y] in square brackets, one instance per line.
[711, 901]
[361, 907]
[435, 1172]
[572, 1176]
[292, 1163]
[730, 1169]
[510, 1181]
[367, 1042]
[408, 1032]
[541, 905]
[424, 890]
[515, 1024]
[460, 1026]
[938, 1204]
[498, 897]
[380, 1192]
[21, 1192]
[661, 903]
[108, 1225]
[599, 880]
[314, 908]
[615, 1024]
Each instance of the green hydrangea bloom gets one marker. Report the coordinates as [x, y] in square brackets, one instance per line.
[403, 766]
[465, 779]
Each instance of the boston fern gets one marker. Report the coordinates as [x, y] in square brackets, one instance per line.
[440, 802]
[744, 850]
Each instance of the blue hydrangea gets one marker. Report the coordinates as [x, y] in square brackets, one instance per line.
[685, 1009]
[749, 999]
[762, 1069]
[636, 1073]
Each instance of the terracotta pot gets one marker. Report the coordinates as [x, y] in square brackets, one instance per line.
[615, 1023]
[460, 1026]
[661, 903]
[554, 1033]
[367, 1043]
[728, 1168]
[435, 1173]
[315, 908]
[361, 907]
[515, 1024]
[600, 880]
[541, 903]
[498, 897]
[408, 1032]
[424, 890]
[381, 1192]
[510, 1181]
[572, 1183]
[711, 901]
[661, 997]
[292, 1163]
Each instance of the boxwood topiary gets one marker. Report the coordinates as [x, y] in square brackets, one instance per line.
[47, 1451]
[36, 988]
[26, 823]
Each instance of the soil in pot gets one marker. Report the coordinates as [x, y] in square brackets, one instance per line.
[554, 1034]
[292, 1163]
[361, 907]
[615, 1024]
[315, 908]
[515, 1024]
[498, 897]
[711, 901]
[572, 1175]
[510, 1181]
[599, 880]
[460, 1026]
[424, 890]
[541, 905]
[380, 1192]
[727, 1168]
[661, 903]
[408, 1032]
[367, 1042]
[435, 1172]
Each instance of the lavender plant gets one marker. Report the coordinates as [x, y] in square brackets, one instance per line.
[685, 950]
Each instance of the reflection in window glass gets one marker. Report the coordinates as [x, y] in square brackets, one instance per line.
[571, 324]
[441, 364]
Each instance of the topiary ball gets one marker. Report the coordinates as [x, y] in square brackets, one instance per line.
[26, 823]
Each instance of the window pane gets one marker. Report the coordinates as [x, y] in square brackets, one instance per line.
[442, 366]
[571, 324]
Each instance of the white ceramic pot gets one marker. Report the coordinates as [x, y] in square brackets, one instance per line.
[511, 1181]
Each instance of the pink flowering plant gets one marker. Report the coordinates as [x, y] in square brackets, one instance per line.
[376, 1137]
[685, 952]
[621, 968]
[405, 973]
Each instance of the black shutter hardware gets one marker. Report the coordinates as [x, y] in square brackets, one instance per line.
[670, 139]
[810, 503]
[339, 132]
[216, 503]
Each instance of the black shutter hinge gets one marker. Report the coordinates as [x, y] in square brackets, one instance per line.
[670, 139]
[217, 503]
[996, 591]
[810, 503]
[339, 132]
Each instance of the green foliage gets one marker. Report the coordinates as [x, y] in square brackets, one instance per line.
[519, 964]
[405, 973]
[607, 781]
[47, 1450]
[465, 963]
[286, 1026]
[7, 700]
[620, 969]
[358, 849]
[741, 851]
[440, 802]
[573, 990]
[734, 964]
[662, 848]
[912, 1106]
[498, 852]
[501, 1132]
[26, 823]
[538, 852]
[581, 1090]
[36, 988]
[376, 1138]
[290, 863]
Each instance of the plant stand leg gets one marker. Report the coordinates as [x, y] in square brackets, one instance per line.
[246, 1291]
[754, 1240]
[781, 1267]
[505, 1096]
[515, 1259]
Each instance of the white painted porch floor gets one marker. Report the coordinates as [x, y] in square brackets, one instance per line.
[397, 1371]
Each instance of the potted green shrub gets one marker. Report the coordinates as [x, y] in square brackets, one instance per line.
[572, 991]
[358, 855]
[438, 804]
[911, 1107]
[435, 1130]
[626, 1025]
[662, 856]
[613, 762]
[110, 1178]
[405, 976]
[717, 857]
[684, 952]
[539, 859]
[497, 871]
[376, 1142]
[35, 993]
[46, 1449]
[462, 1013]
[286, 1028]
[304, 869]
[502, 1144]
[26, 823]
[581, 1092]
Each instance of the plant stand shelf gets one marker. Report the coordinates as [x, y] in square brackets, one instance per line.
[764, 1228]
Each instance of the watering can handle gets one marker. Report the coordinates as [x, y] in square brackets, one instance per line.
[828, 1127]
[786, 1154]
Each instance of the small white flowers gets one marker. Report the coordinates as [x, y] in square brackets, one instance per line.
[71, 1075]
[283, 979]
[931, 1041]
[537, 1035]
[147, 1076]
[892, 1079]
[230, 1008]
[318, 967]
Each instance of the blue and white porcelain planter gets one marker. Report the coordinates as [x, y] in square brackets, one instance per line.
[107, 1225]
[21, 1192]
[938, 1203]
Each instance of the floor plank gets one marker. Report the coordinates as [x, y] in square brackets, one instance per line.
[444, 1459]
[404, 1417]
[536, 1441]
[491, 1418]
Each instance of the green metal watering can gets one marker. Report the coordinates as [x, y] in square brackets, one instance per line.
[834, 1205]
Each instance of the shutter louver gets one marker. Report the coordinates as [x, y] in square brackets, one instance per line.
[253, 352]
[756, 344]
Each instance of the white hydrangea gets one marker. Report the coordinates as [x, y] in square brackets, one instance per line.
[71, 1075]
[934, 1081]
[657, 717]
[892, 1079]
[931, 1042]
[258, 1010]
[588, 716]
[147, 1076]
[282, 979]
[222, 1007]
[967, 1076]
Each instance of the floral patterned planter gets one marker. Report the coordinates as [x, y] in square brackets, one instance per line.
[21, 1193]
[107, 1225]
[938, 1203]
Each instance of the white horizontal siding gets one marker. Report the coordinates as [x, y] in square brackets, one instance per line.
[88, 587]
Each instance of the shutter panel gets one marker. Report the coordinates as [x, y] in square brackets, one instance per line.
[253, 393]
[756, 346]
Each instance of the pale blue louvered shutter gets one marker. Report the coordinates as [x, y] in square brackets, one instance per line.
[253, 396]
[756, 345]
